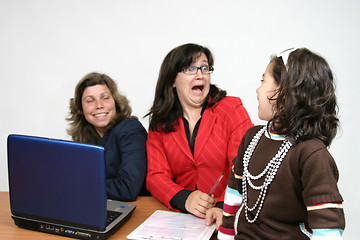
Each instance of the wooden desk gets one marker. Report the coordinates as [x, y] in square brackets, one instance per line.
[9, 231]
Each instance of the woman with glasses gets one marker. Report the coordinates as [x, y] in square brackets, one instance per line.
[100, 115]
[194, 133]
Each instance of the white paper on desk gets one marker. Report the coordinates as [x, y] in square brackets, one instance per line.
[173, 225]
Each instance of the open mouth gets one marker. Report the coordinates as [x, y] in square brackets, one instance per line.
[198, 88]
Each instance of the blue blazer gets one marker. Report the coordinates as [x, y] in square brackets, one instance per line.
[125, 152]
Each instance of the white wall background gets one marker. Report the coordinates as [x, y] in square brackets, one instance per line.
[47, 46]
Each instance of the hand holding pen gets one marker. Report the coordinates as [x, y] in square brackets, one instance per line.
[198, 202]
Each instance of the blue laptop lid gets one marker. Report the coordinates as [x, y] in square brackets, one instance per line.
[57, 180]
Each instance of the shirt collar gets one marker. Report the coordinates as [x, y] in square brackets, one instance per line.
[274, 136]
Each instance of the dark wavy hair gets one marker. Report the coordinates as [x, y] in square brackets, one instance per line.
[166, 107]
[80, 129]
[306, 105]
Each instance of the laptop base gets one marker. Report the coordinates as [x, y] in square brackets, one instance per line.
[66, 231]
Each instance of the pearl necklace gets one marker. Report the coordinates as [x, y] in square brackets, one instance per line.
[270, 171]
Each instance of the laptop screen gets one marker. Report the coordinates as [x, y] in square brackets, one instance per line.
[57, 180]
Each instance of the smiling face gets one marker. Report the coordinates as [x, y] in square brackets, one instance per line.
[98, 106]
[265, 92]
[193, 89]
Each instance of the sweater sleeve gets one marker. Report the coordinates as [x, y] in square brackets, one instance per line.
[321, 195]
[233, 198]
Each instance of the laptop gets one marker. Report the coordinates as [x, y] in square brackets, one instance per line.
[59, 187]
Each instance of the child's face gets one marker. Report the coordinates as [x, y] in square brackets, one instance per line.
[267, 90]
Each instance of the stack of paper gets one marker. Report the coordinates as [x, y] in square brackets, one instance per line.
[172, 225]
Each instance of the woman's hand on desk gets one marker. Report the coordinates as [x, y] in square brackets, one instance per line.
[198, 203]
[214, 214]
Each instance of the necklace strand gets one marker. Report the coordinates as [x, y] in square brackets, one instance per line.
[269, 172]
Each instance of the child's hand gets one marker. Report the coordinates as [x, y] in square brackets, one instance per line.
[214, 214]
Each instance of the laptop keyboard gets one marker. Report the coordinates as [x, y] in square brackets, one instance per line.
[111, 216]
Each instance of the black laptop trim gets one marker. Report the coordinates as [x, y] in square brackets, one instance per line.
[58, 222]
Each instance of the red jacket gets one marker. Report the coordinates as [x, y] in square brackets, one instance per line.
[172, 167]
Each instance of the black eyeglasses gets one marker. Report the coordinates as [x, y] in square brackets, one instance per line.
[193, 70]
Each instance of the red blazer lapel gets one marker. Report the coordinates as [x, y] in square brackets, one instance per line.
[204, 132]
[179, 137]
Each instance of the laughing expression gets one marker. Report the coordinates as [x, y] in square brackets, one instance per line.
[193, 89]
[98, 106]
